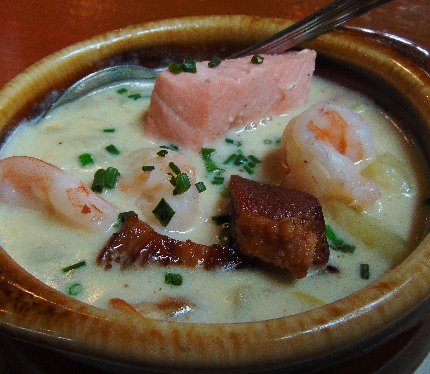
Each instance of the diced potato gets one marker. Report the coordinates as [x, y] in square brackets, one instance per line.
[390, 173]
[369, 231]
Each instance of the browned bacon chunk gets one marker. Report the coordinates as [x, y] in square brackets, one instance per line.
[278, 225]
[136, 243]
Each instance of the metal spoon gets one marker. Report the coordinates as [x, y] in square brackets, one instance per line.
[326, 19]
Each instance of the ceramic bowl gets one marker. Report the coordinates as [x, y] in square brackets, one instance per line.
[391, 72]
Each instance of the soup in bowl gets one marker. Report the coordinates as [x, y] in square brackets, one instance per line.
[92, 286]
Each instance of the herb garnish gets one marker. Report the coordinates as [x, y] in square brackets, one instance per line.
[248, 163]
[109, 130]
[214, 62]
[162, 153]
[122, 217]
[172, 147]
[105, 178]
[173, 279]
[364, 271]
[257, 59]
[336, 243]
[188, 65]
[200, 187]
[74, 266]
[148, 168]
[112, 150]
[75, 289]
[86, 159]
[135, 96]
[122, 90]
[210, 165]
[163, 212]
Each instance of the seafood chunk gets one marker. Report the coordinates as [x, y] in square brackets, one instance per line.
[152, 185]
[195, 109]
[278, 225]
[326, 148]
[137, 244]
[32, 183]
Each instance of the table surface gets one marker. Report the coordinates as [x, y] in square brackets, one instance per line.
[32, 29]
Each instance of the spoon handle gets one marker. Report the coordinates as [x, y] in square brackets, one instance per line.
[327, 18]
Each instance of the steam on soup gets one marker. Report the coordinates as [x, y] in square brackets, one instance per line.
[104, 131]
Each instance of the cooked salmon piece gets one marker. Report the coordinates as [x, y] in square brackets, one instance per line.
[278, 225]
[194, 109]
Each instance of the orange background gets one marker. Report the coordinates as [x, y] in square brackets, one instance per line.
[32, 29]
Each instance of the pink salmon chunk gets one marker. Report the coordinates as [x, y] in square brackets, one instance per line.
[194, 109]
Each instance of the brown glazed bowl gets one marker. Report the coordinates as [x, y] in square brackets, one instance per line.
[391, 72]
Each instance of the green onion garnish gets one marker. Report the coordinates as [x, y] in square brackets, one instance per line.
[364, 271]
[182, 184]
[210, 166]
[105, 178]
[109, 130]
[267, 141]
[200, 187]
[214, 62]
[336, 243]
[217, 180]
[163, 212]
[172, 147]
[86, 159]
[175, 68]
[148, 167]
[189, 65]
[112, 150]
[162, 153]
[229, 141]
[74, 266]
[75, 289]
[122, 91]
[257, 59]
[173, 279]
[174, 168]
[135, 96]
[122, 217]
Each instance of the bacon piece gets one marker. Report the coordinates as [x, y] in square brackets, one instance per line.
[136, 243]
[278, 225]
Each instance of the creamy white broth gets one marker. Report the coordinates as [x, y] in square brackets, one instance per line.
[43, 245]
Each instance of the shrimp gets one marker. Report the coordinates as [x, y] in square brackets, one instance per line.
[32, 183]
[151, 186]
[325, 149]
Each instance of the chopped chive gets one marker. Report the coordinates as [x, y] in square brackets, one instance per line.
[105, 178]
[112, 150]
[173, 279]
[200, 187]
[175, 68]
[135, 96]
[254, 159]
[217, 180]
[86, 159]
[172, 147]
[210, 165]
[214, 62]
[257, 59]
[189, 65]
[122, 90]
[148, 168]
[174, 168]
[221, 219]
[278, 141]
[162, 153]
[75, 289]
[74, 266]
[364, 271]
[229, 141]
[249, 169]
[163, 212]
[336, 243]
[122, 217]
[109, 130]
[267, 141]
[182, 184]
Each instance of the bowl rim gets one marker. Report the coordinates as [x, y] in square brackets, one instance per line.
[85, 330]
